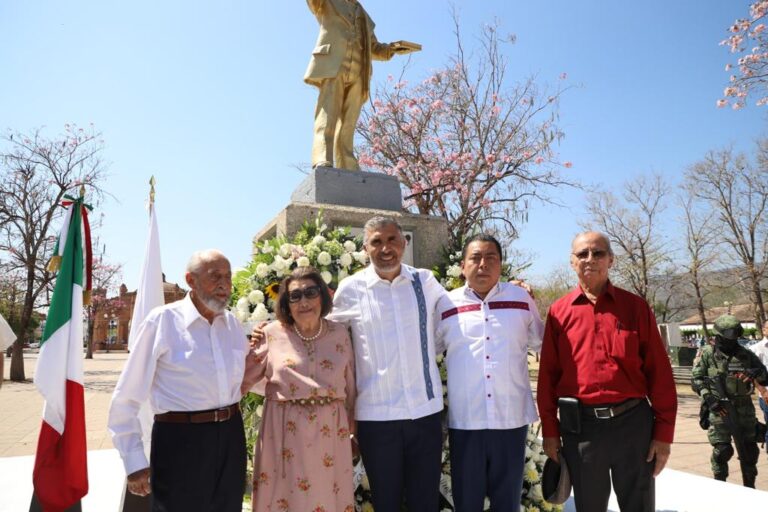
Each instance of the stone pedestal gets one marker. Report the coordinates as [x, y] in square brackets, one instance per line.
[349, 199]
[328, 185]
[427, 234]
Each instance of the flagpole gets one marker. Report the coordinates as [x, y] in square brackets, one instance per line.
[149, 295]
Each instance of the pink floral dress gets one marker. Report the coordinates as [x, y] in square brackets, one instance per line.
[303, 459]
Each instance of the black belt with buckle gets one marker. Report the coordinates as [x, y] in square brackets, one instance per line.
[604, 412]
[211, 416]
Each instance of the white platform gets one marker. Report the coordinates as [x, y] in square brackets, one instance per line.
[106, 481]
[675, 491]
[683, 492]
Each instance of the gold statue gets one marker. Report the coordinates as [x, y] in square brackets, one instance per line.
[341, 67]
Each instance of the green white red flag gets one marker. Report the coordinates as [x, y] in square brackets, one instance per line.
[60, 475]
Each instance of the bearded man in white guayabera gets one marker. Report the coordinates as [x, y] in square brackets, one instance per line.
[390, 310]
[189, 360]
[487, 327]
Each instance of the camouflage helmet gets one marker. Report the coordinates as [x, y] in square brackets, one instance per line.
[728, 327]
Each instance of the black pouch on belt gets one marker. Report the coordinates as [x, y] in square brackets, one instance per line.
[570, 415]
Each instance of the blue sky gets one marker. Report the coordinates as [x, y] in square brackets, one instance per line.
[208, 96]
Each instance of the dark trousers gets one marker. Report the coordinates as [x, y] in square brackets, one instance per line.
[612, 450]
[487, 463]
[764, 408]
[402, 457]
[198, 466]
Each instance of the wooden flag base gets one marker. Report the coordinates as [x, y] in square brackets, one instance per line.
[35, 506]
[133, 503]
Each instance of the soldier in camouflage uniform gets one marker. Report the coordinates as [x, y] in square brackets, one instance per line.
[724, 377]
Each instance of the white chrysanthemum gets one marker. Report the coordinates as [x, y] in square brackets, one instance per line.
[262, 269]
[343, 274]
[453, 271]
[260, 410]
[439, 358]
[267, 249]
[536, 493]
[260, 314]
[241, 315]
[361, 257]
[318, 240]
[350, 246]
[327, 277]
[242, 304]
[255, 297]
[345, 260]
[324, 258]
[279, 263]
[302, 262]
[279, 273]
[285, 250]
[530, 475]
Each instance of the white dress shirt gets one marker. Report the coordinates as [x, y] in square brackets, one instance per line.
[397, 376]
[487, 359]
[760, 349]
[181, 363]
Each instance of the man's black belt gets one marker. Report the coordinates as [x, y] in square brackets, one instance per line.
[604, 412]
[210, 416]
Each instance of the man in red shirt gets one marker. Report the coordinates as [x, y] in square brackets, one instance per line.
[602, 348]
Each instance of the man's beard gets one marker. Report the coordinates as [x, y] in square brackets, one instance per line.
[212, 303]
[391, 267]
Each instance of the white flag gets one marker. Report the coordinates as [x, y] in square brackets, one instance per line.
[149, 295]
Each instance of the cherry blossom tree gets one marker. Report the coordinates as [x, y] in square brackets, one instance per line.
[467, 143]
[35, 173]
[106, 277]
[749, 41]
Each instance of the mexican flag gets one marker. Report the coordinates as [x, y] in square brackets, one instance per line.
[60, 476]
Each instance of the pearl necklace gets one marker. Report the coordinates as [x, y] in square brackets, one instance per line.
[308, 338]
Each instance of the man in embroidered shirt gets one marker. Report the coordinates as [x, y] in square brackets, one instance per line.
[389, 308]
[602, 347]
[189, 361]
[487, 328]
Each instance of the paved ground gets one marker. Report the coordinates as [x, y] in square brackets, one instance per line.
[21, 408]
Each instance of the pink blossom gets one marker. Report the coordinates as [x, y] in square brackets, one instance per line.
[728, 66]
[539, 160]
[563, 76]
[495, 110]
[721, 103]
[567, 164]
[490, 158]
[437, 104]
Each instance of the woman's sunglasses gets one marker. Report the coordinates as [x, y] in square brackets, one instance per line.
[310, 292]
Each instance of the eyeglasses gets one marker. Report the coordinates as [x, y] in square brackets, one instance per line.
[584, 255]
[310, 292]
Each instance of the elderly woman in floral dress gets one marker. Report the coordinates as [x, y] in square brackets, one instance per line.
[305, 365]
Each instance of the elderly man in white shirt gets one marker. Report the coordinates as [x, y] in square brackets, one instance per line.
[487, 327]
[390, 309]
[7, 337]
[189, 361]
[760, 348]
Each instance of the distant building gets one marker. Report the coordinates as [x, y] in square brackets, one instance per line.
[744, 312]
[110, 329]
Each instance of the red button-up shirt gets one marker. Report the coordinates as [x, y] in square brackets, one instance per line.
[605, 353]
